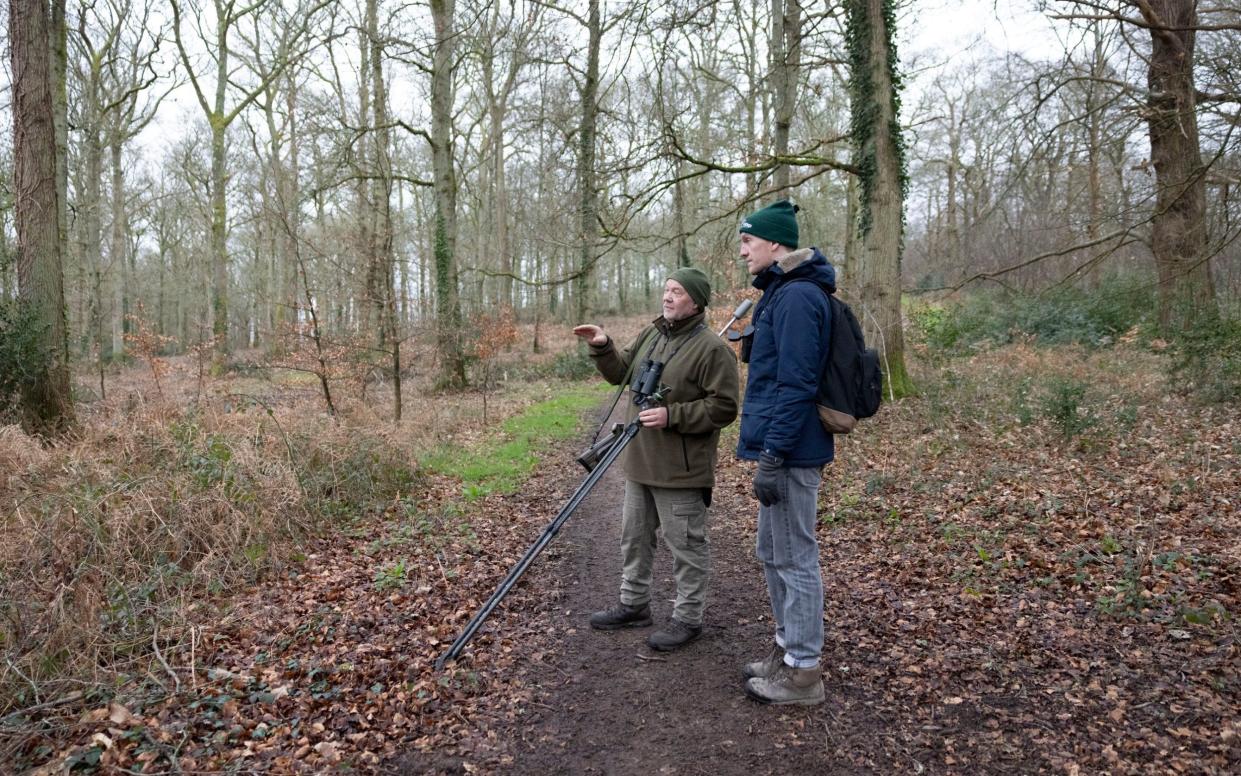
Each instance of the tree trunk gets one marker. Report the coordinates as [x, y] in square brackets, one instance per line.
[389, 337]
[219, 220]
[91, 224]
[879, 149]
[447, 299]
[785, 59]
[587, 187]
[1178, 236]
[59, 32]
[47, 403]
[118, 253]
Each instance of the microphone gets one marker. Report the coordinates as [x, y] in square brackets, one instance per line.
[742, 311]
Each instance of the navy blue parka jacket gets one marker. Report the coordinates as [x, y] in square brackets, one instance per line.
[790, 342]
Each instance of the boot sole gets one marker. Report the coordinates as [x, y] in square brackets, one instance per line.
[673, 647]
[622, 625]
[792, 702]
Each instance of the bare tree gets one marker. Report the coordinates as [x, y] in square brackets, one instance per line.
[47, 403]
[785, 59]
[228, 14]
[1178, 237]
[448, 303]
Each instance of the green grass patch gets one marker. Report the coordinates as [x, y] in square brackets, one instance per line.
[505, 459]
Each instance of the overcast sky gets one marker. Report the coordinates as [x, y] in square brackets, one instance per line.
[955, 28]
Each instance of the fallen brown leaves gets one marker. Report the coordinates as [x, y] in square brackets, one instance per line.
[1001, 597]
[1013, 596]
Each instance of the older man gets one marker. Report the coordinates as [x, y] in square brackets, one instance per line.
[670, 465]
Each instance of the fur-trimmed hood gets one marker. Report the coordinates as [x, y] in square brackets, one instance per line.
[801, 263]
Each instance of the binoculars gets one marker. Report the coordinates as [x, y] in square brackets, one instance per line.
[645, 386]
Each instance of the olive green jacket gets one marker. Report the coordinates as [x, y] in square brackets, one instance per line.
[703, 381]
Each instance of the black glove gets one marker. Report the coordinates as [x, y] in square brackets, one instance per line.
[766, 479]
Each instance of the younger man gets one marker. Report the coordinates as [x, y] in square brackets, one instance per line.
[780, 429]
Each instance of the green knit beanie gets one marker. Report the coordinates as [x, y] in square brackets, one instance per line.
[777, 222]
[695, 283]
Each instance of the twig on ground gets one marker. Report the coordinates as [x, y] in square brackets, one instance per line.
[176, 681]
[76, 695]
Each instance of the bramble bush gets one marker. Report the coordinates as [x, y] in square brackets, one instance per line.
[1070, 316]
[1206, 359]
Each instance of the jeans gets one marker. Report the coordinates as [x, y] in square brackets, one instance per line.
[682, 515]
[789, 553]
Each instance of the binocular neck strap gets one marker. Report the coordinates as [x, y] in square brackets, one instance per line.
[624, 383]
[681, 344]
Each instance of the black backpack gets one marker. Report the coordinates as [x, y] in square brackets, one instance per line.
[851, 381]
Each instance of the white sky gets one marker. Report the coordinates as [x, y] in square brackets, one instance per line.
[948, 29]
[959, 27]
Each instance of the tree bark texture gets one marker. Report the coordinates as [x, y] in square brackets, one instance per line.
[785, 60]
[219, 201]
[879, 260]
[448, 302]
[389, 337]
[587, 185]
[1178, 236]
[47, 404]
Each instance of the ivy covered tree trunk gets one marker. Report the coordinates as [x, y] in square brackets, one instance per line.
[879, 155]
[447, 298]
[1178, 234]
[47, 402]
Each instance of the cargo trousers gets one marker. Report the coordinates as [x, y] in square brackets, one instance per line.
[681, 515]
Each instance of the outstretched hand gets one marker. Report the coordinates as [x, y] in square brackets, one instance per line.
[593, 334]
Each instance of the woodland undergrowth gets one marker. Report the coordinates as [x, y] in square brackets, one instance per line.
[294, 575]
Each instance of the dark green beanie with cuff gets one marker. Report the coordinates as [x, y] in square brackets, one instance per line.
[777, 222]
[695, 283]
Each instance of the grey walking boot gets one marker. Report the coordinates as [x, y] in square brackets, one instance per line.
[765, 667]
[673, 635]
[621, 616]
[788, 687]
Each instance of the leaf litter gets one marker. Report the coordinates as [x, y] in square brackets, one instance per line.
[1000, 596]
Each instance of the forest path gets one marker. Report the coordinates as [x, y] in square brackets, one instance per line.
[604, 703]
[964, 631]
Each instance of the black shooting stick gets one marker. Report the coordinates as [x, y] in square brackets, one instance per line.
[553, 528]
[544, 539]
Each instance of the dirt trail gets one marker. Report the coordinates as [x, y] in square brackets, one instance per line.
[607, 704]
[935, 661]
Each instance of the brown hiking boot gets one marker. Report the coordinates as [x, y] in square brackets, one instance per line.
[788, 687]
[621, 616]
[765, 667]
[673, 635]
